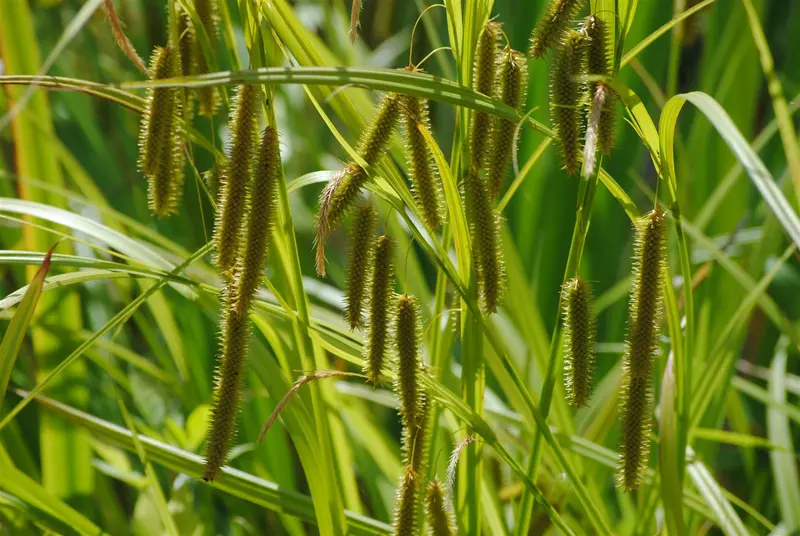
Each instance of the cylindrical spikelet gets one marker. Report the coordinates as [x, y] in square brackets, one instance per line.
[513, 80]
[579, 341]
[208, 97]
[599, 61]
[484, 82]
[559, 14]
[379, 309]
[486, 247]
[235, 338]
[567, 96]
[438, 516]
[407, 341]
[424, 182]
[406, 520]
[161, 136]
[377, 134]
[232, 200]
[335, 200]
[644, 322]
[188, 50]
[263, 206]
[362, 245]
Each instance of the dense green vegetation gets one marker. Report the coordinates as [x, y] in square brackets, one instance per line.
[110, 346]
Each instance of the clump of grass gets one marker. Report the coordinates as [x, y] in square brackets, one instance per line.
[579, 341]
[559, 14]
[379, 309]
[436, 506]
[362, 246]
[599, 60]
[486, 243]
[484, 82]
[234, 186]
[644, 322]
[424, 181]
[513, 79]
[566, 97]
[161, 136]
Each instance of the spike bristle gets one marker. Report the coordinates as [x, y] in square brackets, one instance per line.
[379, 316]
[567, 95]
[559, 14]
[362, 245]
[378, 133]
[579, 341]
[424, 182]
[484, 82]
[438, 517]
[644, 322]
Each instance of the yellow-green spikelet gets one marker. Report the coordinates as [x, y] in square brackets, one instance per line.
[559, 14]
[259, 223]
[599, 60]
[376, 136]
[644, 322]
[483, 82]
[362, 246]
[567, 97]
[513, 80]
[188, 50]
[436, 506]
[232, 202]
[579, 341]
[379, 316]
[424, 182]
[207, 12]
[234, 342]
[486, 247]
[161, 136]
[335, 200]
[407, 341]
[405, 518]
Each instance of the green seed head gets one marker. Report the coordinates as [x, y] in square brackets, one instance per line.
[362, 245]
[424, 182]
[379, 315]
[406, 520]
[378, 133]
[486, 243]
[407, 341]
[567, 97]
[484, 82]
[559, 14]
[338, 196]
[234, 338]
[264, 190]
[188, 49]
[599, 61]
[438, 516]
[513, 80]
[232, 202]
[644, 322]
[161, 136]
[579, 341]
[207, 11]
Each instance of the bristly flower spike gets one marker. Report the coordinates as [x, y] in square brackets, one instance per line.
[188, 50]
[232, 201]
[513, 80]
[484, 80]
[376, 136]
[207, 12]
[362, 246]
[438, 516]
[599, 61]
[424, 182]
[566, 97]
[259, 223]
[559, 14]
[407, 341]
[644, 322]
[379, 316]
[406, 520]
[579, 341]
[161, 136]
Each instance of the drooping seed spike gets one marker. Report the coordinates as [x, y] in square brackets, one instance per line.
[486, 243]
[380, 314]
[407, 341]
[263, 206]
[484, 80]
[362, 246]
[567, 97]
[559, 14]
[599, 61]
[644, 322]
[234, 342]
[207, 12]
[232, 202]
[579, 341]
[405, 518]
[425, 183]
[438, 517]
[338, 196]
[513, 80]
[415, 452]
[378, 133]
[188, 51]
[161, 136]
